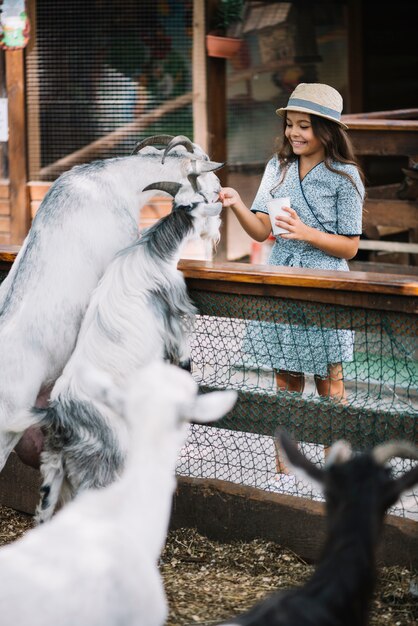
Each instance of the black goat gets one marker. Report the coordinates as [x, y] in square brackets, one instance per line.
[358, 490]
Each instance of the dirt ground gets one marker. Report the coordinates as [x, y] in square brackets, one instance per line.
[207, 582]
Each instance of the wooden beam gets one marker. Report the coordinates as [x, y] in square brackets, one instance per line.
[3, 94]
[383, 141]
[402, 214]
[4, 189]
[388, 246]
[392, 114]
[4, 224]
[225, 511]
[217, 123]
[241, 273]
[15, 83]
[19, 485]
[33, 106]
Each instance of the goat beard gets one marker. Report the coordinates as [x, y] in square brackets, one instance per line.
[211, 231]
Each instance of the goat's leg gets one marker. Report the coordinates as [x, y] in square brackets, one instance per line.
[7, 443]
[178, 352]
[17, 399]
[9, 437]
[52, 471]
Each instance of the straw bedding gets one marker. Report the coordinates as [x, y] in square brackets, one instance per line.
[207, 581]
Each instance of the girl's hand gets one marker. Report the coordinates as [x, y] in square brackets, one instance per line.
[292, 222]
[229, 197]
[341, 246]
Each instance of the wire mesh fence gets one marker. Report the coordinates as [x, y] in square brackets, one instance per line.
[239, 341]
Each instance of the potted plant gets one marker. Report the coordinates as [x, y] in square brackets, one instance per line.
[223, 40]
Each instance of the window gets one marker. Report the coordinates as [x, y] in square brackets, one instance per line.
[100, 75]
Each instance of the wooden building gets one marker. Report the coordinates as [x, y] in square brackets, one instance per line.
[96, 76]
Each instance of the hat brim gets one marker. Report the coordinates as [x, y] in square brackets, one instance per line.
[283, 110]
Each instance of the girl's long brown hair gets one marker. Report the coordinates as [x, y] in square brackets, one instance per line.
[337, 147]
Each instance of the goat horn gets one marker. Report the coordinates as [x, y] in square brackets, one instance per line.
[340, 452]
[152, 141]
[167, 186]
[179, 140]
[386, 451]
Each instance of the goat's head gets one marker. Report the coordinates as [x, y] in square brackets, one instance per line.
[347, 476]
[196, 166]
[167, 391]
[194, 162]
[188, 197]
[169, 395]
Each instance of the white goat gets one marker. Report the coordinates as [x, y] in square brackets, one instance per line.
[96, 562]
[139, 311]
[89, 214]
[358, 490]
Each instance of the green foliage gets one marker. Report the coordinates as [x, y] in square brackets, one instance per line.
[229, 12]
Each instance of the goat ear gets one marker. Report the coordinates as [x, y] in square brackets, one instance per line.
[340, 452]
[285, 443]
[209, 407]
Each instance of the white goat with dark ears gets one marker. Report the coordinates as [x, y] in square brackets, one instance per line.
[139, 311]
[96, 562]
[358, 491]
[88, 215]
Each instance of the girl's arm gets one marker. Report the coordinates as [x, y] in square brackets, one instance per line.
[257, 225]
[341, 246]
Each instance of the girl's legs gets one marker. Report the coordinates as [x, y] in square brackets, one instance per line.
[332, 387]
[287, 381]
[290, 381]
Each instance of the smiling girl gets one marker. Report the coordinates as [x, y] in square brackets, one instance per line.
[315, 166]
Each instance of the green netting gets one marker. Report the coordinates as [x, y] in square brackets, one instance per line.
[381, 382]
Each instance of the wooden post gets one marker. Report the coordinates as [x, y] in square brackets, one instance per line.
[217, 123]
[3, 151]
[200, 122]
[19, 210]
[32, 100]
[354, 14]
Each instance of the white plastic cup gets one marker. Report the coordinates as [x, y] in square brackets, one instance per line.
[275, 209]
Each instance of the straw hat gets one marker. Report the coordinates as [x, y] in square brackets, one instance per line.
[316, 99]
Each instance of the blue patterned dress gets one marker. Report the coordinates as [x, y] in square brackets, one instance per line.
[328, 202]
